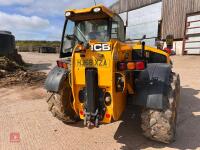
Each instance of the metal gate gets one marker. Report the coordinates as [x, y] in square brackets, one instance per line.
[192, 34]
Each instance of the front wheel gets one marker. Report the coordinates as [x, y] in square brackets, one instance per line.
[160, 125]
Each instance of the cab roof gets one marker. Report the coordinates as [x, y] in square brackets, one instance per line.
[88, 14]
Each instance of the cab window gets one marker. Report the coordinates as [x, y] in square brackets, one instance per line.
[93, 30]
[117, 31]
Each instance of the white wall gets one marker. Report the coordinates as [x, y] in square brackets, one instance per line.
[143, 21]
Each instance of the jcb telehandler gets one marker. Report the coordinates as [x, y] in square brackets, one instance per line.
[98, 72]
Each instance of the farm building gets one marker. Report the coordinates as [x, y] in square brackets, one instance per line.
[158, 18]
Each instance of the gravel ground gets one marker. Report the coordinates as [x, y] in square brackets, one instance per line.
[25, 122]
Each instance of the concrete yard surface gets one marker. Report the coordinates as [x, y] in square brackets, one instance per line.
[26, 123]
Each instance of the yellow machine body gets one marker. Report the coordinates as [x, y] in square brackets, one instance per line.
[106, 64]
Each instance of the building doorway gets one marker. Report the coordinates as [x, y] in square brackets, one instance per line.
[192, 34]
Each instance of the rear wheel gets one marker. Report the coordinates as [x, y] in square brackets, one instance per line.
[161, 125]
[61, 104]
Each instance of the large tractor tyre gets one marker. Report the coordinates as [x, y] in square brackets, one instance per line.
[61, 104]
[161, 125]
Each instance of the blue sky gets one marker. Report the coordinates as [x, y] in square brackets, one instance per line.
[39, 19]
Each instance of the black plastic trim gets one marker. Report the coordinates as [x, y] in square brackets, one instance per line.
[152, 86]
[55, 78]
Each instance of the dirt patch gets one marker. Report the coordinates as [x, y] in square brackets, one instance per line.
[31, 93]
[22, 113]
[14, 72]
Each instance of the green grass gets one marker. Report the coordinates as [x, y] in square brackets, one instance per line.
[38, 43]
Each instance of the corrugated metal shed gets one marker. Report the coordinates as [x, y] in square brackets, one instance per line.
[128, 5]
[173, 13]
[174, 16]
[116, 7]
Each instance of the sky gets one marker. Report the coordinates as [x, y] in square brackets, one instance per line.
[39, 19]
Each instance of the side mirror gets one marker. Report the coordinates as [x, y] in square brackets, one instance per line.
[70, 37]
[144, 37]
[73, 37]
[69, 43]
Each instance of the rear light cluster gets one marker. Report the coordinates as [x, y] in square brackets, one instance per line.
[108, 115]
[81, 112]
[139, 65]
[62, 64]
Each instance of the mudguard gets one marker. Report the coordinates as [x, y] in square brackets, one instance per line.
[55, 78]
[153, 85]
